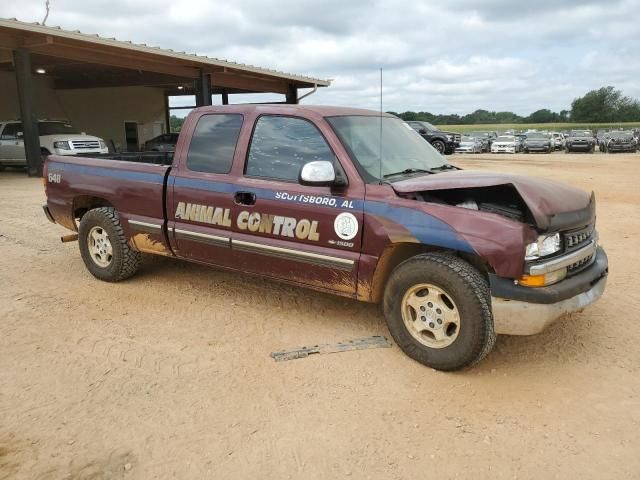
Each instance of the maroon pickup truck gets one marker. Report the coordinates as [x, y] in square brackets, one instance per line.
[350, 202]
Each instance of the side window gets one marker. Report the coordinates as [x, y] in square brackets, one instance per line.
[10, 131]
[214, 143]
[282, 145]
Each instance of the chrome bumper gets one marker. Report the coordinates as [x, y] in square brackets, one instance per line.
[513, 317]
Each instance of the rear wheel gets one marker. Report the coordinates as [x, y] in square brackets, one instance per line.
[437, 308]
[439, 146]
[103, 246]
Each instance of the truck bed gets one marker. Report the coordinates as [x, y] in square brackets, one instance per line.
[156, 158]
[133, 184]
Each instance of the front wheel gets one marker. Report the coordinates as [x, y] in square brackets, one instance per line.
[437, 308]
[439, 146]
[104, 248]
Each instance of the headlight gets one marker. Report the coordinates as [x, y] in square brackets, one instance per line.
[64, 145]
[545, 245]
[449, 138]
[102, 144]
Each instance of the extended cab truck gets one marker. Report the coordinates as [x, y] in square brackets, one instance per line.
[313, 197]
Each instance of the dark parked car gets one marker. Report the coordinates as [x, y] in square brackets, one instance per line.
[443, 142]
[539, 142]
[622, 141]
[162, 143]
[580, 141]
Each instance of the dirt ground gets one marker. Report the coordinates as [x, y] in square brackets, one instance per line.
[168, 375]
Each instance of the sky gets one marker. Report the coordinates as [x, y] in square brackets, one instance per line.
[446, 56]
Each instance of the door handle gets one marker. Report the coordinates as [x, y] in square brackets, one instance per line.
[245, 198]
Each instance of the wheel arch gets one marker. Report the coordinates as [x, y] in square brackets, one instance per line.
[83, 203]
[397, 253]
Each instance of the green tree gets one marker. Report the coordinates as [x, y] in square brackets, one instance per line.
[175, 124]
[542, 116]
[605, 105]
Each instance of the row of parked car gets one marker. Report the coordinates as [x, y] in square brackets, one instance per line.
[547, 142]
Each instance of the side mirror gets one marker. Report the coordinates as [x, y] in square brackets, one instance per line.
[19, 134]
[318, 173]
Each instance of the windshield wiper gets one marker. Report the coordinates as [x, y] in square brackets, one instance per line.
[408, 171]
[446, 166]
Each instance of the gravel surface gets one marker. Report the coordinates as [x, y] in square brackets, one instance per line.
[168, 375]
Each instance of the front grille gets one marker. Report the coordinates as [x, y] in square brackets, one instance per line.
[580, 265]
[578, 238]
[85, 144]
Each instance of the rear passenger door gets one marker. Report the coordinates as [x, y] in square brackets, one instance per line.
[304, 234]
[200, 203]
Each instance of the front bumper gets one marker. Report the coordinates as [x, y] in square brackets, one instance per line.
[580, 146]
[621, 148]
[519, 310]
[536, 148]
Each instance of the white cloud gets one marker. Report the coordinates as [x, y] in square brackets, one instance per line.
[445, 57]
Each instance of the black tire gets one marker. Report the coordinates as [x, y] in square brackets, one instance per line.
[124, 261]
[439, 146]
[469, 293]
[567, 150]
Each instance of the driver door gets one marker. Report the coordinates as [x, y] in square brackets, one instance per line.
[304, 234]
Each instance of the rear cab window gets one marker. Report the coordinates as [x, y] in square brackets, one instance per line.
[213, 143]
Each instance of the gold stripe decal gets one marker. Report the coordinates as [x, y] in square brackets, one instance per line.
[201, 237]
[297, 255]
[144, 225]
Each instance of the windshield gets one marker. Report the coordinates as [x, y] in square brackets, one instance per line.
[468, 139]
[625, 135]
[537, 135]
[505, 138]
[400, 148]
[56, 128]
[422, 125]
[580, 133]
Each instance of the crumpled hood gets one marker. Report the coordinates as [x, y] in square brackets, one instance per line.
[553, 205]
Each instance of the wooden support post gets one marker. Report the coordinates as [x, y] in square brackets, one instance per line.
[167, 119]
[225, 97]
[31, 136]
[292, 94]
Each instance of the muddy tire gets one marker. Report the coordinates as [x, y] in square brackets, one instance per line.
[438, 310]
[103, 246]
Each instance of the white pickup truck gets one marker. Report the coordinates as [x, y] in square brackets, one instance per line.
[59, 138]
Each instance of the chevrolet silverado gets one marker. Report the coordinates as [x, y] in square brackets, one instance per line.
[350, 202]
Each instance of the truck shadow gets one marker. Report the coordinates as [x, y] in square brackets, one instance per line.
[570, 340]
